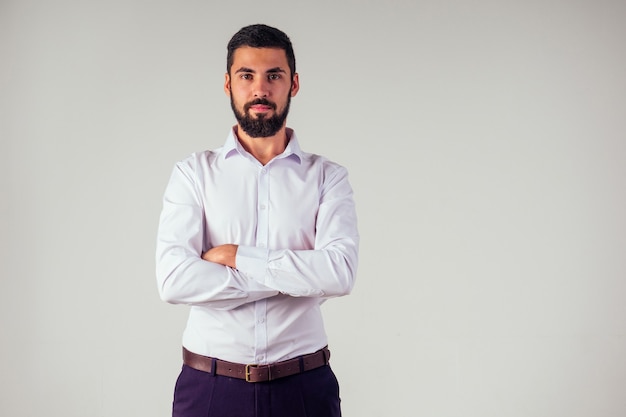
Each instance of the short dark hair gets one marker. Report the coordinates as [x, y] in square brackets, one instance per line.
[261, 36]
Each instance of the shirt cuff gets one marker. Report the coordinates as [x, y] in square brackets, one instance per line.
[252, 261]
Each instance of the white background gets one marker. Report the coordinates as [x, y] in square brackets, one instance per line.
[486, 146]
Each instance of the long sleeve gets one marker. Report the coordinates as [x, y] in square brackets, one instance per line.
[183, 277]
[329, 269]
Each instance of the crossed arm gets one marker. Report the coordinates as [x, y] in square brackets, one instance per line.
[236, 274]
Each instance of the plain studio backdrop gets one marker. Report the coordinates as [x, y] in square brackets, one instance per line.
[486, 146]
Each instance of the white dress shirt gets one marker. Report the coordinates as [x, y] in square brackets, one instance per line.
[295, 223]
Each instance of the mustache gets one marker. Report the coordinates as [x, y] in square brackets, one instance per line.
[261, 101]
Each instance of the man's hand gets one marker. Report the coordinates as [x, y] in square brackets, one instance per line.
[222, 254]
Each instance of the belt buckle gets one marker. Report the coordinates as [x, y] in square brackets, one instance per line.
[248, 372]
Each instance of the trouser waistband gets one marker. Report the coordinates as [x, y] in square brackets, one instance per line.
[257, 373]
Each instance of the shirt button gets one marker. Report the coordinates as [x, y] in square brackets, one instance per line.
[263, 170]
[262, 206]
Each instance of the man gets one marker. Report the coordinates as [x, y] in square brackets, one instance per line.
[255, 236]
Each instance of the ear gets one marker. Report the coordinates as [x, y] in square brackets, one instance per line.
[295, 85]
[227, 84]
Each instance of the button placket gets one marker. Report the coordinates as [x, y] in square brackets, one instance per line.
[262, 234]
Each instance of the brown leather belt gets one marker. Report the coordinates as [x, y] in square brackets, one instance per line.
[257, 373]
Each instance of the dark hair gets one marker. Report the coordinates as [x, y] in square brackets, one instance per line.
[261, 36]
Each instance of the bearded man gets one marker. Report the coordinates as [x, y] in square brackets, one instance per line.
[255, 236]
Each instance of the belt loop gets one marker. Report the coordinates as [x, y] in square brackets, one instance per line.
[213, 367]
[301, 363]
[326, 358]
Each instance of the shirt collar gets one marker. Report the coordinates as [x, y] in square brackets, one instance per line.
[233, 147]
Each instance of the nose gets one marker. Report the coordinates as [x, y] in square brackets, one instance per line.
[261, 87]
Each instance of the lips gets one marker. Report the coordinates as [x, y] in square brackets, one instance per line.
[260, 105]
[261, 108]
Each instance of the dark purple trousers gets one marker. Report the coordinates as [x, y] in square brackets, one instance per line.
[313, 393]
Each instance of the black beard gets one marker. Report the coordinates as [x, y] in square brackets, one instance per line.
[261, 126]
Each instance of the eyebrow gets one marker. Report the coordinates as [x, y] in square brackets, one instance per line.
[269, 71]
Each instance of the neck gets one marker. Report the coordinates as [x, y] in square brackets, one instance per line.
[266, 148]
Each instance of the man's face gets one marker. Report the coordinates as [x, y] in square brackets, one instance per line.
[260, 87]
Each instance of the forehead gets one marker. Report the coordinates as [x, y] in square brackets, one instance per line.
[259, 59]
